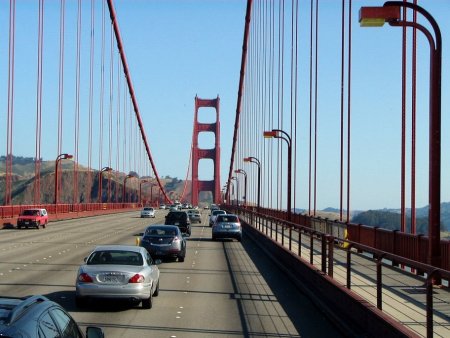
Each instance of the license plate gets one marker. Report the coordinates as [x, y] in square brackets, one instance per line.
[111, 279]
[27, 222]
[227, 226]
[177, 223]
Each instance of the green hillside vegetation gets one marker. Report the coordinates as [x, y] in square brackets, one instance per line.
[389, 220]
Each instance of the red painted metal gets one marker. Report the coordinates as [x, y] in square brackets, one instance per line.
[241, 87]
[213, 154]
[112, 13]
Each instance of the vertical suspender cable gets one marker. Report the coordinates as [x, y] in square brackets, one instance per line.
[341, 181]
[281, 115]
[349, 80]
[315, 105]
[295, 102]
[413, 126]
[310, 105]
[37, 166]
[119, 107]
[101, 100]
[10, 118]
[76, 198]
[61, 90]
[403, 132]
[111, 99]
[91, 89]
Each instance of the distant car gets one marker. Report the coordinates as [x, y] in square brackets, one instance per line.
[148, 212]
[164, 241]
[227, 226]
[180, 219]
[162, 206]
[206, 207]
[37, 316]
[194, 216]
[214, 207]
[118, 272]
[32, 218]
[213, 215]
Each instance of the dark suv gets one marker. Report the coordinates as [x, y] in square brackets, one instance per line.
[180, 219]
[37, 316]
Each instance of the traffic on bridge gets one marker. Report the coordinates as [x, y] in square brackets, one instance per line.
[225, 168]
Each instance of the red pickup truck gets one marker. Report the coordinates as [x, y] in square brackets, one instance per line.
[32, 218]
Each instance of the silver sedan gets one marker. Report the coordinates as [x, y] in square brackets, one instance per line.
[118, 272]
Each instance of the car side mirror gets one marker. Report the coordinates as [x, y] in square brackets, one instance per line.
[94, 332]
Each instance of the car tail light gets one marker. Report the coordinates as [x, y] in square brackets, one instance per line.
[85, 278]
[176, 239]
[137, 278]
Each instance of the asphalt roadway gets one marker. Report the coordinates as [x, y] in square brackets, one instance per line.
[222, 289]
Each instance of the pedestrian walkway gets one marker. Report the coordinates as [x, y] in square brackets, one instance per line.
[403, 293]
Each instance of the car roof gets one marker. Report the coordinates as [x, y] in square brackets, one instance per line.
[162, 226]
[226, 215]
[118, 247]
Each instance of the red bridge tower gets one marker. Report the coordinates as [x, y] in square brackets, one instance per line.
[213, 154]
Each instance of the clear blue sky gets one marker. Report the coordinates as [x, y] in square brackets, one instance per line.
[179, 49]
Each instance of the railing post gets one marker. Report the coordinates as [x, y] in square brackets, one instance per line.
[330, 255]
[311, 247]
[379, 283]
[349, 266]
[429, 304]
[290, 237]
[324, 253]
[299, 242]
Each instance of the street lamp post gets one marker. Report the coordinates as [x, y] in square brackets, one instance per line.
[390, 13]
[140, 190]
[230, 191]
[151, 191]
[241, 171]
[278, 133]
[252, 159]
[100, 179]
[58, 159]
[124, 187]
[237, 190]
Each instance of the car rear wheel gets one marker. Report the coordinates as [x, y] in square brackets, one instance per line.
[180, 258]
[156, 293]
[148, 303]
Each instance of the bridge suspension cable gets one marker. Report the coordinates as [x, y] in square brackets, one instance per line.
[133, 97]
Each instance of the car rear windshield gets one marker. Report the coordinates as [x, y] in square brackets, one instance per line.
[227, 218]
[116, 257]
[161, 231]
[148, 209]
[176, 215]
[30, 212]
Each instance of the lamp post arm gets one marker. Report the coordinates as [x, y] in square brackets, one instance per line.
[421, 10]
[287, 139]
